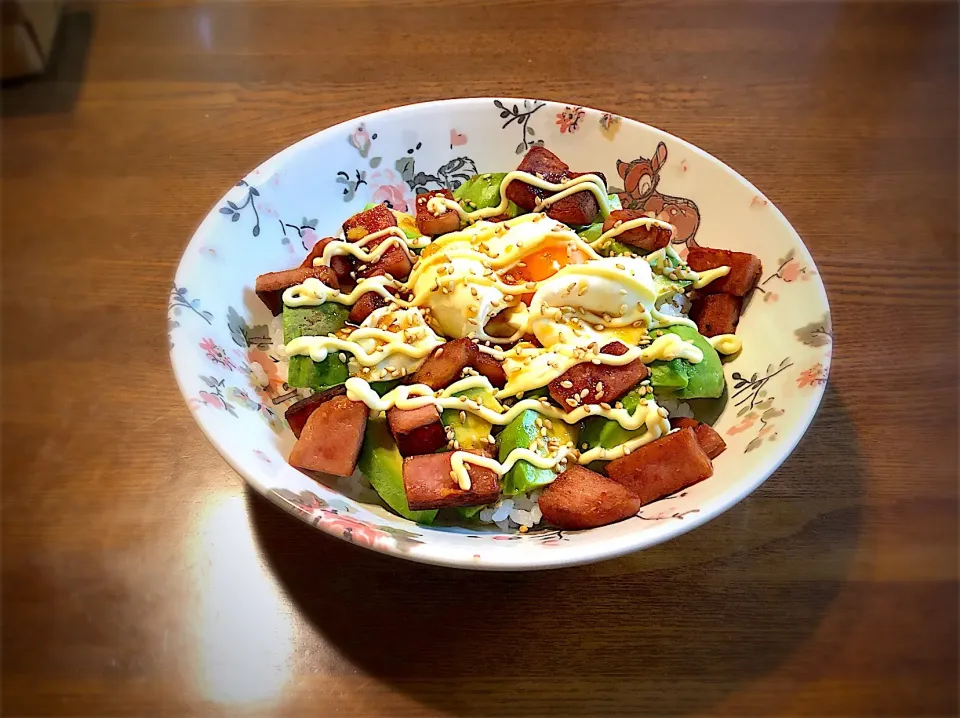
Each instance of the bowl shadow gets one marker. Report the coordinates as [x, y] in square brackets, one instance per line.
[669, 630]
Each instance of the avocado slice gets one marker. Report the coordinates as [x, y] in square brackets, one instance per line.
[592, 232]
[468, 512]
[315, 321]
[483, 191]
[607, 433]
[302, 371]
[470, 434]
[704, 380]
[381, 463]
[382, 387]
[519, 434]
[673, 375]
[667, 287]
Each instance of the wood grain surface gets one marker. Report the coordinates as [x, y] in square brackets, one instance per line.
[140, 577]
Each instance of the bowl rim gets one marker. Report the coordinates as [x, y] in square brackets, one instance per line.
[558, 557]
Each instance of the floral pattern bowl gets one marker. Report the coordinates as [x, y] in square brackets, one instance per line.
[270, 219]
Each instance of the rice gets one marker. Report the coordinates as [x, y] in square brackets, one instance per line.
[676, 306]
[277, 348]
[509, 513]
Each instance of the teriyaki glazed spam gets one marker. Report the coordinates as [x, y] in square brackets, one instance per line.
[521, 351]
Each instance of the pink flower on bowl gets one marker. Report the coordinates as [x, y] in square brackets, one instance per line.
[360, 139]
[216, 354]
[813, 376]
[569, 119]
[390, 188]
[309, 238]
[790, 271]
[748, 421]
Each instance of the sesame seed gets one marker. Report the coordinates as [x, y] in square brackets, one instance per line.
[463, 417]
[566, 384]
[572, 402]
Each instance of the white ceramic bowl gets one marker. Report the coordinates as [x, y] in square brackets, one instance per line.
[270, 219]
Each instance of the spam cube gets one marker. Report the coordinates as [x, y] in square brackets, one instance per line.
[298, 412]
[662, 467]
[578, 208]
[342, 264]
[429, 483]
[650, 237]
[369, 221]
[744, 273]
[330, 440]
[394, 261]
[491, 368]
[365, 306]
[317, 251]
[710, 441]
[590, 383]
[438, 219]
[583, 499]
[716, 314]
[417, 431]
[270, 286]
[445, 365]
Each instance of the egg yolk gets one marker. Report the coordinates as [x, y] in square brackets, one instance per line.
[542, 264]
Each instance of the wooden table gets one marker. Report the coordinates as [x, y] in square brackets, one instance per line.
[141, 578]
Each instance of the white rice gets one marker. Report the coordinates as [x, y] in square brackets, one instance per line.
[277, 348]
[512, 512]
[676, 306]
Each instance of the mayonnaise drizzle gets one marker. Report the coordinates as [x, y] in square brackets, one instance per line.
[677, 269]
[590, 182]
[414, 396]
[418, 341]
[341, 247]
[604, 239]
[726, 343]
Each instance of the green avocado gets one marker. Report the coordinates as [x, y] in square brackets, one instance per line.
[620, 249]
[673, 375]
[381, 463]
[520, 434]
[382, 387]
[483, 191]
[470, 434]
[592, 232]
[703, 380]
[468, 512]
[607, 433]
[315, 321]
[667, 287]
[302, 371]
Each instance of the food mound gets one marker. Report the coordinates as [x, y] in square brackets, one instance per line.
[522, 350]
